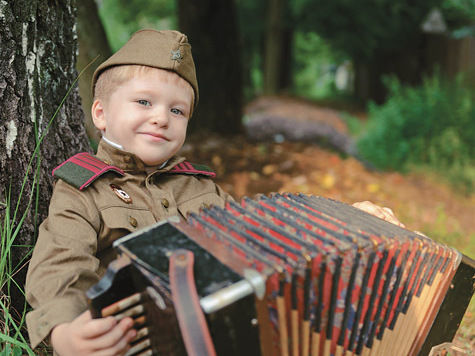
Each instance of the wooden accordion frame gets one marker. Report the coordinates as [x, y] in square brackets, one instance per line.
[285, 275]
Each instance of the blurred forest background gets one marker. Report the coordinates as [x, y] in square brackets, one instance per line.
[408, 65]
[354, 100]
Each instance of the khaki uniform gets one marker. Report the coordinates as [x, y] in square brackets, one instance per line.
[75, 241]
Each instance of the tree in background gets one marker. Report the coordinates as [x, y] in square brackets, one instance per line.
[277, 55]
[93, 50]
[381, 37]
[37, 68]
[211, 26]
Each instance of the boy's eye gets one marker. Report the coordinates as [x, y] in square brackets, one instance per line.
[144, 102]
[176, 111]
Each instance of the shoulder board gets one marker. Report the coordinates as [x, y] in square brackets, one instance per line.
[192, 169]
[82, 169]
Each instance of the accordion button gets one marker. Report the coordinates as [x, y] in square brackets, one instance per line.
[132, 221]
[165, 203]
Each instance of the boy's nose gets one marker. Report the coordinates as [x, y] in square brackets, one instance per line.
[160, 117]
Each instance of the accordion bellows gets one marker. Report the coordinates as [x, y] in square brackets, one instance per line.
[332, 280]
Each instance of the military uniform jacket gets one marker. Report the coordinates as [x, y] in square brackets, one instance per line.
[74, 245]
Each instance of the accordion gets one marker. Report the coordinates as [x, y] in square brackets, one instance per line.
[284, 275]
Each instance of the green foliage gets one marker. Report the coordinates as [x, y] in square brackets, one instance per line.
[364, 28]
[460, 16]
[432, 125]
[459, 12]
[314, 66]
[121, 18]
[10, 350]
[252, 28]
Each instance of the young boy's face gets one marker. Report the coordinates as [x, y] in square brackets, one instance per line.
[147, 115]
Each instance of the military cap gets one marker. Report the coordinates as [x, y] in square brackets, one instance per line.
[166, 49]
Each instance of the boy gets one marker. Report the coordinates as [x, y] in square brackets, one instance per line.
[144, 95]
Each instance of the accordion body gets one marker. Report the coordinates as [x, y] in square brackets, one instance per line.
[285, 275]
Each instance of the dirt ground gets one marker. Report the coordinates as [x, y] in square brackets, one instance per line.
[421, 201]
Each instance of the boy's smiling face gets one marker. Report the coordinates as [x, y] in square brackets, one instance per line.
[147, 115]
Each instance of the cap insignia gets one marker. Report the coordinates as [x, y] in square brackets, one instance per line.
[121, 193]
[176, 55]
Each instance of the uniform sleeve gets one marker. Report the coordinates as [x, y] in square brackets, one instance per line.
[223, 194]
[63, 265]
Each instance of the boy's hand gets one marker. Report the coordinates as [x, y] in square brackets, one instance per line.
[381, 212]
[87, 336]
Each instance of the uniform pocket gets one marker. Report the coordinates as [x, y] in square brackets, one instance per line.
[120, 221]
[203, 201]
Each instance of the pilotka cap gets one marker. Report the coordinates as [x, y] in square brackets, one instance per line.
[167, 50]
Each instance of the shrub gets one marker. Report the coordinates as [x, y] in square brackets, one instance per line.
[431, 126]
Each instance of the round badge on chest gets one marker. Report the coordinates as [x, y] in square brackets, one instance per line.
[121, 193]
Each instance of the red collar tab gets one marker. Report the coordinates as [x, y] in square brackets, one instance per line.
[82, 169]
[192, 169]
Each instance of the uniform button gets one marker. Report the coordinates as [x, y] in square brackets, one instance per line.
[132, 221]
[127, 159]
[205, 206]
[165, 203]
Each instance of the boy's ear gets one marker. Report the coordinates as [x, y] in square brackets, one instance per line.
[98, 115]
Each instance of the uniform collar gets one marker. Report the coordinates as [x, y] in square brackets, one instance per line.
[129, 162]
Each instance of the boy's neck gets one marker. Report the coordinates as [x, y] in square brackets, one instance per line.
[116, 145]
[113, 144]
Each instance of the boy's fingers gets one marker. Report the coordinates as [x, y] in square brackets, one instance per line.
[97, 327]
[123, 345]
[84, 317]
[116, 336]
[382, 213]
[119, 348]
[393, 217]
[369, 207]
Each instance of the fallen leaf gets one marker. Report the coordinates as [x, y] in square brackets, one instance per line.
[268, 169]
[254, 175]
[372, 188]
[328, 181]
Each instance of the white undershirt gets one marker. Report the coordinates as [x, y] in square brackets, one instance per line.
[113, 144]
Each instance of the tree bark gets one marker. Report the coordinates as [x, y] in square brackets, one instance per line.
[211, 27]
[37, 67]
[93, 49]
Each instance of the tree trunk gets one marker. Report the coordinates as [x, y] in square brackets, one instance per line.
[274, 41]
[211, 27]
[37, 67]
[93, 49]
[369, 76]
[286, 62]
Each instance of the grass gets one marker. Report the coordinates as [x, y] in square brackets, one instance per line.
[450, 234]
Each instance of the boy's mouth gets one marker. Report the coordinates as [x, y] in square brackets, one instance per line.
[155, 136]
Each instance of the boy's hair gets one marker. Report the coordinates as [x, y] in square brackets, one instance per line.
[167, 50]
[115, 76]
